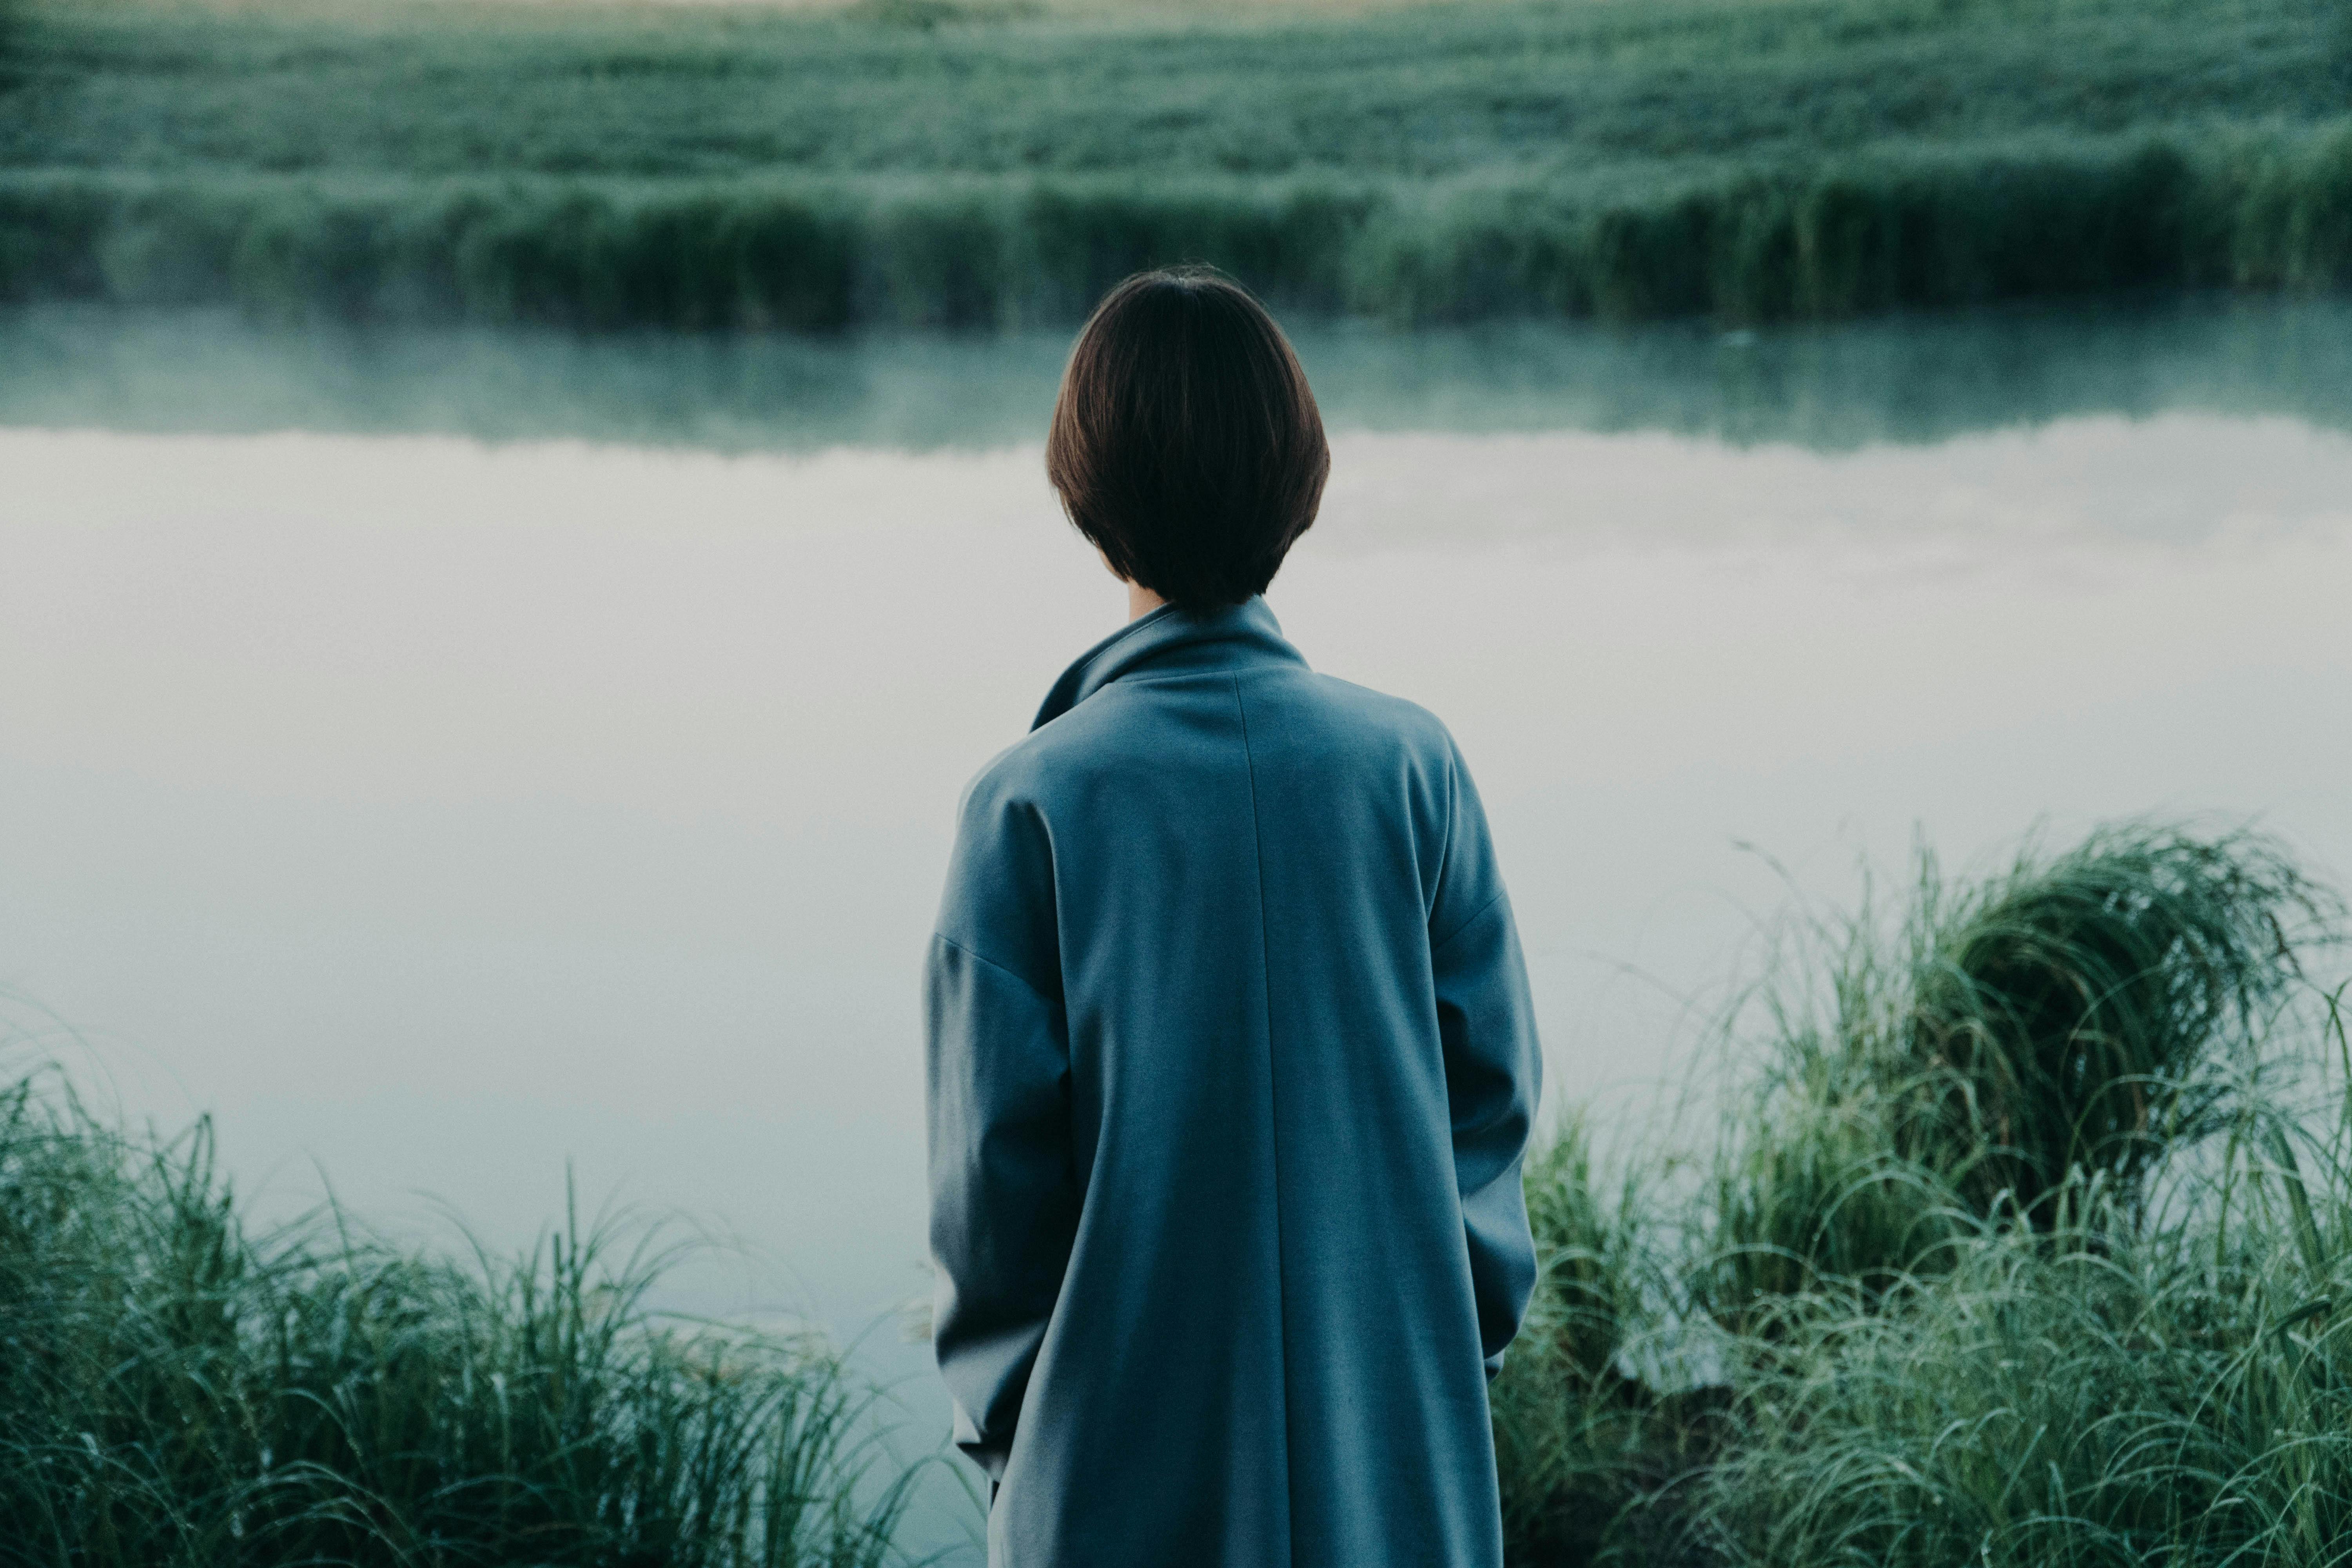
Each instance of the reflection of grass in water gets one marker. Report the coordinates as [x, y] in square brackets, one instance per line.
[1904, 378]
[178, 1392]
[2025, 1247]
[1752, 161]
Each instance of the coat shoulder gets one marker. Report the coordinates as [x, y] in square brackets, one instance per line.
[1032, 770]
[1377, 715]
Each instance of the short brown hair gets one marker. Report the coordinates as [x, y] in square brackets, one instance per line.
[1185, 443]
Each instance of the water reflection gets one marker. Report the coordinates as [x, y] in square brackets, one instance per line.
[1830, 388]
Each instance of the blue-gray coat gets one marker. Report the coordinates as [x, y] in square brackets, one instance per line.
[1232, 1064]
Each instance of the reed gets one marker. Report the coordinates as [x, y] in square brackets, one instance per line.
[1964, 225]
[178, 1391]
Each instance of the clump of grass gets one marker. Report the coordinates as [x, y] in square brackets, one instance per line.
[2093, 1013]
[181, 1392]
[2077, 1017]
[1809, 1192]
[2023, 1244]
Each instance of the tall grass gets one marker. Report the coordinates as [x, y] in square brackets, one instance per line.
[1958, 226]
[177, 1390]
[2077, 1017]
[1491, 86]
[2023, 1244]
[2176, 1395]
[2091, 1013]
[1751, 161]
[1576, 1428]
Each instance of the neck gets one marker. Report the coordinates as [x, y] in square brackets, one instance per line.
[1142, 601]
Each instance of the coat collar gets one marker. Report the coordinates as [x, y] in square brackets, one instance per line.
[1170, 640]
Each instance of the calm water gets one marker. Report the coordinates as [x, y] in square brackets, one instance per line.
[446, 758]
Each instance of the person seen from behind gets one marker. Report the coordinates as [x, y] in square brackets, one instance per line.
[1231, 1058]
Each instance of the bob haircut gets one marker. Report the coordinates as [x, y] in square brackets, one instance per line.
[1185, 445]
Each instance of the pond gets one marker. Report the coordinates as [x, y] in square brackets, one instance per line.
[455, 760]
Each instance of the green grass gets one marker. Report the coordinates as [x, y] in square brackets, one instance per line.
[1450, 92]
[176, 1391]
[2174, 1397]
[2025, 1241]
[1744, 159]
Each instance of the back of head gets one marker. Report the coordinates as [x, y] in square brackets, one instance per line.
[1185, 443]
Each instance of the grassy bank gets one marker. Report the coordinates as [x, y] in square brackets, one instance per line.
[2027, 1242]
[2022, 1236]
[177, 1390]
[1746, 159]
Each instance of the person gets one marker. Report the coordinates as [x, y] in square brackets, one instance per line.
[1231, 1058]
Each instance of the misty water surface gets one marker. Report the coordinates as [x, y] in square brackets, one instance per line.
[454, 759]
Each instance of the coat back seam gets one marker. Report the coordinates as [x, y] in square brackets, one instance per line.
[1274, 1131]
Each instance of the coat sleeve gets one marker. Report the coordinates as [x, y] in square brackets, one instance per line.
[1003, 1195]
[1493, 1065]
